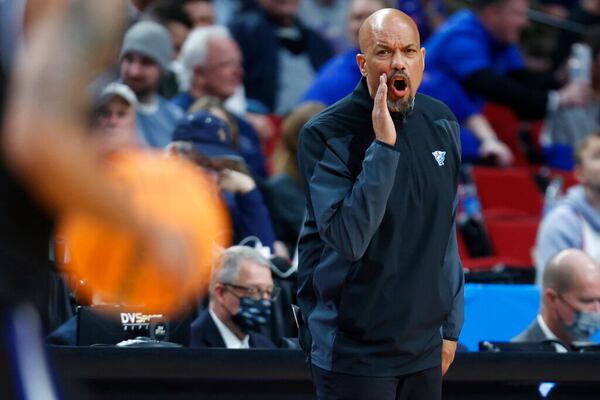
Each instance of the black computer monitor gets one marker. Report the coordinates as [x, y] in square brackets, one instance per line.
[546, 346]
[107, 324]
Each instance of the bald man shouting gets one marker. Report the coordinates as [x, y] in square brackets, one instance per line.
[380, 280]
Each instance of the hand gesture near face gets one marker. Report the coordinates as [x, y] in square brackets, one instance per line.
[383, 125]
[236, 182]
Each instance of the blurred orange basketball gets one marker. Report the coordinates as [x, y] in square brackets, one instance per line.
[116, 266]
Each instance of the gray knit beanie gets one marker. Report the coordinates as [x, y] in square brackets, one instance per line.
[150, 39]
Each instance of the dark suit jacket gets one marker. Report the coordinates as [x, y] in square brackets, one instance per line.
[257, 37]
[204, 333]
[65, 334]
[533, 333]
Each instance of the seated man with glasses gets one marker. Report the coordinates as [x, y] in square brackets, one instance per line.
[241, 292]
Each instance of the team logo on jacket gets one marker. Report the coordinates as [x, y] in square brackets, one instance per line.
[439, 156]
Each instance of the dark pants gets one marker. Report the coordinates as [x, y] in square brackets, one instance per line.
[422, 385]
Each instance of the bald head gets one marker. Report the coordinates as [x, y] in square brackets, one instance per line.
[378, 23]
[390, 45]
[570, 268]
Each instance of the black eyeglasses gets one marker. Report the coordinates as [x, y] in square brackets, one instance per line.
[254, 292]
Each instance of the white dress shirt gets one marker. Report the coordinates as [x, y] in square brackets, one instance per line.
[549, 335]
[230, 339]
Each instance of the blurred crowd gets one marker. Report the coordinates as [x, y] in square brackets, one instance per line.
[229, 84]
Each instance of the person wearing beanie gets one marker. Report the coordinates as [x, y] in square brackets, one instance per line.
[145, 56]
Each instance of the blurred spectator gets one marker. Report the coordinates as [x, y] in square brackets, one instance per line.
[280, 54]
[146, 53]
[558, 8]
[570, 309]
[228, 10]
[201, 12]
[114, 124]
[170, 15]
[473, 58]
[142, 5]
[330, 19]
[480, 143]
[214, 106]
[137, 8]
[587, 14]
[212, 62]
[206, 140]
[566, 127]
[241, 293]
[213, 66]
[285, 196]
[575, 221]
[338, 77]
[113, 129]
[428, 14]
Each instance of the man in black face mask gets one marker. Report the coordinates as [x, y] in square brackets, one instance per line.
[570, 310]
[241, 293]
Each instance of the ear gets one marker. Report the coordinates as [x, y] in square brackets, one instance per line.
[218, 292]
[198, 73]
[550, 296]
[423, 57]
[361, 60]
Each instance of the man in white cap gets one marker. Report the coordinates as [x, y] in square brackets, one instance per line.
[114, 124]
[146, 53]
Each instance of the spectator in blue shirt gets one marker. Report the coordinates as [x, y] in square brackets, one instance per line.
[427, 14]
[338, 77]
[475, 55]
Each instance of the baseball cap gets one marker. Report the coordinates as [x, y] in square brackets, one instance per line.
[118, 89]
[209, 134]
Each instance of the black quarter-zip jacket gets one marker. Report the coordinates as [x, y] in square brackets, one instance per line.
[380, 280]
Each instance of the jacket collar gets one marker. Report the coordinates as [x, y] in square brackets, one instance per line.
[361, 95]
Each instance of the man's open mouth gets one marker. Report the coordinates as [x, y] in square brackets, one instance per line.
[399, 86]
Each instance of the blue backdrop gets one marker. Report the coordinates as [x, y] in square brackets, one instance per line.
[498, 312]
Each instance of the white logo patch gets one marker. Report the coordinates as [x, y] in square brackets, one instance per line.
[439, 156]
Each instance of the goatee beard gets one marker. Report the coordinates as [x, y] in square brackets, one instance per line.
[401, 106]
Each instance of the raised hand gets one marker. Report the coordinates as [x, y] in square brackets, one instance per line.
[383, 125]
[236, 182]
